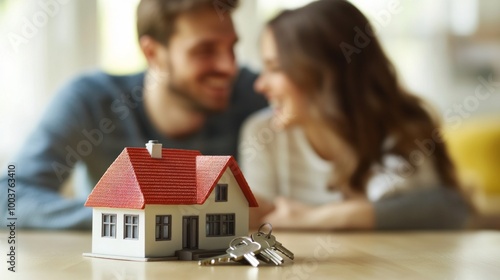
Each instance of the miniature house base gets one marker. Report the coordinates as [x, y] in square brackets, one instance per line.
[160, 204]
[125, 258]
[183, 255]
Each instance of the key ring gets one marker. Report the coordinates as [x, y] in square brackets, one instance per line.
[243, 240]
[270, 230]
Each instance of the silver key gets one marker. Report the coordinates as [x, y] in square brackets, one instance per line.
[244, 248]
[266, 252]
[273, 243]
[278, 246]
[215, 260]
[240, 248]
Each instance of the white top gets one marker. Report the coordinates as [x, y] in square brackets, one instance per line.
[283, 163]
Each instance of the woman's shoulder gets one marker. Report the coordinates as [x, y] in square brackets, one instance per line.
[260, 132]
[260, 120]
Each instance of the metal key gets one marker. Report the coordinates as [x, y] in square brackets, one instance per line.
[266, 252]
[217, 259]
[244, 248]
[278, 246]
[274, 244]
[240, 248]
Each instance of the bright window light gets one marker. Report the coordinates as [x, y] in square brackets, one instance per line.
[119, 50]
[464, 17]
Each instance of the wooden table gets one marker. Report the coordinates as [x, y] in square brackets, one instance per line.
[323, 255]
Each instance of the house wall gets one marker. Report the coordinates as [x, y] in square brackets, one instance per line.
[236, 204]
[119, 245]
[162, 248]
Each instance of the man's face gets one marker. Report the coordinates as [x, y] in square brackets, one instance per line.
[200, 60]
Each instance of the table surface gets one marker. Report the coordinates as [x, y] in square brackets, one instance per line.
[318, 255]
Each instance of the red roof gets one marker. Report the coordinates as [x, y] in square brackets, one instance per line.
[180, 177]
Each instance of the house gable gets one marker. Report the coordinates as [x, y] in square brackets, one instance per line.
[209, 171]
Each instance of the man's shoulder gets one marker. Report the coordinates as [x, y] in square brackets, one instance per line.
[92, 94]
[244, 99]
[100, 81]
[243, 89]
[246, 77]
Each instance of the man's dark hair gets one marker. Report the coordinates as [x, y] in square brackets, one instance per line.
[156, 18]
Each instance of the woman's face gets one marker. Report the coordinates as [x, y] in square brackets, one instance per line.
[286, 99]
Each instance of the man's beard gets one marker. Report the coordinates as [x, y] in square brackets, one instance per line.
[191, 102]
[189, 98]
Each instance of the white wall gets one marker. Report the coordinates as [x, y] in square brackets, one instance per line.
[117, 246]
[237, 204]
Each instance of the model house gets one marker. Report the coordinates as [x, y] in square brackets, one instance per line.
[153, 202]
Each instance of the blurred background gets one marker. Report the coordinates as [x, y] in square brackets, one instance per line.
[446, 51]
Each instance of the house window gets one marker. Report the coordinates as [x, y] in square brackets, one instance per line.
[163, 227]
[220, 224]
[108, 225]
[131, 227]
[221, 192]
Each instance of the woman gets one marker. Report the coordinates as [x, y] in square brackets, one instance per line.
[344, 145]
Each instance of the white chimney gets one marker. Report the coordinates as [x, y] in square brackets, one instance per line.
[154, 148]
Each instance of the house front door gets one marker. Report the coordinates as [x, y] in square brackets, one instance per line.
[190, 232]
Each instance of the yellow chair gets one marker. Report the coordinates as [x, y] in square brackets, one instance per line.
[475, 148]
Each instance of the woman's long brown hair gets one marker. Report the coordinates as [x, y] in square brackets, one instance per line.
[329, 49]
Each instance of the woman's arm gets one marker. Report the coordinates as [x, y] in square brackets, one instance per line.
[351, 214]
[429, 208]
[257, 213]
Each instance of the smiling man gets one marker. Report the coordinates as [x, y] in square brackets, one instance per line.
[192, 96]
[195, 50]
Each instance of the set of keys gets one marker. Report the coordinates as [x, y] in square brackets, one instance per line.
[257, 247]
